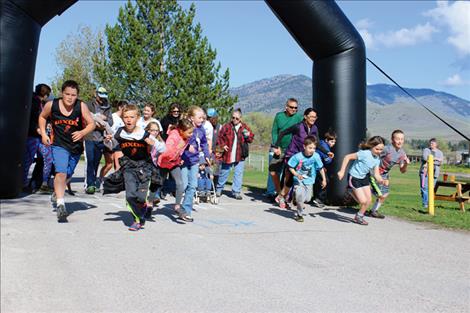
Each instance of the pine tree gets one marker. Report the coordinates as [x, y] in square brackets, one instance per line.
[156, 53]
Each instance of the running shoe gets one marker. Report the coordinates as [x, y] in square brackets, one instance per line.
[45, 189]
[90, 190]
[237, 196]
[62, 213]
[360, 220]
[317, 203]
[282, 203]
[298, 218]
[135, 226]
[375, 214]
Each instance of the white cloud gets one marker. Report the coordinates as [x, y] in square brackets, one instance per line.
[455, 81]
[407, 36]
[456, 16]
[367, 37]
[364, 23]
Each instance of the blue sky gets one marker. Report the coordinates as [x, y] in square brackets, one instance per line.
[422, 44]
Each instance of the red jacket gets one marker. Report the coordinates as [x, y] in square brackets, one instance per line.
[227, 136]
[175, 146]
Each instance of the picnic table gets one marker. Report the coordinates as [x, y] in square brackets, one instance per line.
[458, 196]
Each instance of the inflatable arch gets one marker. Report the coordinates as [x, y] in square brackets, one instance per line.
[320, 28]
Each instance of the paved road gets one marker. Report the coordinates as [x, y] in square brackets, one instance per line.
[239, 256]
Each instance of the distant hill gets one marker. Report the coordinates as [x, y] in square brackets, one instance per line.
[388, 107]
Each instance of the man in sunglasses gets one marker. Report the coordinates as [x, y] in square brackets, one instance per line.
[282, 121]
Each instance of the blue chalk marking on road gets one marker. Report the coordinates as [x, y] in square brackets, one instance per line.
[234, 223]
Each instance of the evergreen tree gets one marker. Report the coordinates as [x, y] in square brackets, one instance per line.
[155, 53]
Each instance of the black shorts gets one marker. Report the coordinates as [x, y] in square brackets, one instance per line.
[356, 183]
[277, 163]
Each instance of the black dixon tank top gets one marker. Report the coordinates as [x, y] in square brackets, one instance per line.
[63, 127]
[134, 148]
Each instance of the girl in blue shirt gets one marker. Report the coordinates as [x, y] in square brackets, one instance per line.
[365, 160]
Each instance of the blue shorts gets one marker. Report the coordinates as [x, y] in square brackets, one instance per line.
[64, 161]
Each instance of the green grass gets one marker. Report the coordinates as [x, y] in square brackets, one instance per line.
[404, 200]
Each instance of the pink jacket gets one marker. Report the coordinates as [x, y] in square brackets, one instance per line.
[175, 146]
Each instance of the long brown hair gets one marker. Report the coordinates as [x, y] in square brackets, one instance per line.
[371, 142]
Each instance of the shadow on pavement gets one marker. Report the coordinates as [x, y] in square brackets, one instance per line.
[124, 216]
[334, 216]
[167, 210]
[256, 194]
[78, 206]
[281, 212]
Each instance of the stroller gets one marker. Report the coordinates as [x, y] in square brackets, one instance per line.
[205, 191]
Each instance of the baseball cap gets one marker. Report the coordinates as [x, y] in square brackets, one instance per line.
[211, 112]
[102, 92]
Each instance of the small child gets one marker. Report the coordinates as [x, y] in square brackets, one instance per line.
[391, 155]
[365, 160]
[204, 183]
[158, 148]
[327, 144]
[304, 166]
[136, 164]
[170, 161]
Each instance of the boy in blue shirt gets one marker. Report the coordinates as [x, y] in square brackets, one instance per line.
[304, 166]
[319, 192]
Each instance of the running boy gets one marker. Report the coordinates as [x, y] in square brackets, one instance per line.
[136, 164]
[392, 154]
[68, 115]
[304, 166]
[365, 160]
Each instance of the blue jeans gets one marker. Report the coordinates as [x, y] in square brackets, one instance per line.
[270, 190]
[423, 184]
[189, 174]
[237, 176]
[32, 145]
[94, 152]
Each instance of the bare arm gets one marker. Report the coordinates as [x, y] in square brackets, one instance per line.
[90, 124]
[347, 158]
[46, 112]
[295, 174]
[379, 178]
[323, 178]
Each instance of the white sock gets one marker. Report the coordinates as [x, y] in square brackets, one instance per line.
[376, 206]
[60, 201]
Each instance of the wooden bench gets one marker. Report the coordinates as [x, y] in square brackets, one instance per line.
[458, 196]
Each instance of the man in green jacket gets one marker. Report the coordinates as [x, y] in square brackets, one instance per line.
[282, 121]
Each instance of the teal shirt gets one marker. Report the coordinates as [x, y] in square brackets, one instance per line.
[305, 166]
[282, 122]
[364, 163]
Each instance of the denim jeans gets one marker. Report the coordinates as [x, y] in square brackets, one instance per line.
[270, 189]
[189, 175]
[423, 184]
[94, 152]
[32, 145]
[237, 176]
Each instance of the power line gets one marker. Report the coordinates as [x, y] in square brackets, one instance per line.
[429, 110]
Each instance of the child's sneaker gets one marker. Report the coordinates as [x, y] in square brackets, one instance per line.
[375, 214]
[61, 213]
[360, 220]
[298, 218]
[135, 226]
[282, 202]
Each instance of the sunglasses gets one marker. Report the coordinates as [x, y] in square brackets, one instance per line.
[293, 108]
[175, 111]
[235, 118]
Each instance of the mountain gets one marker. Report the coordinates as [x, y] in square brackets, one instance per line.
[388, 107]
